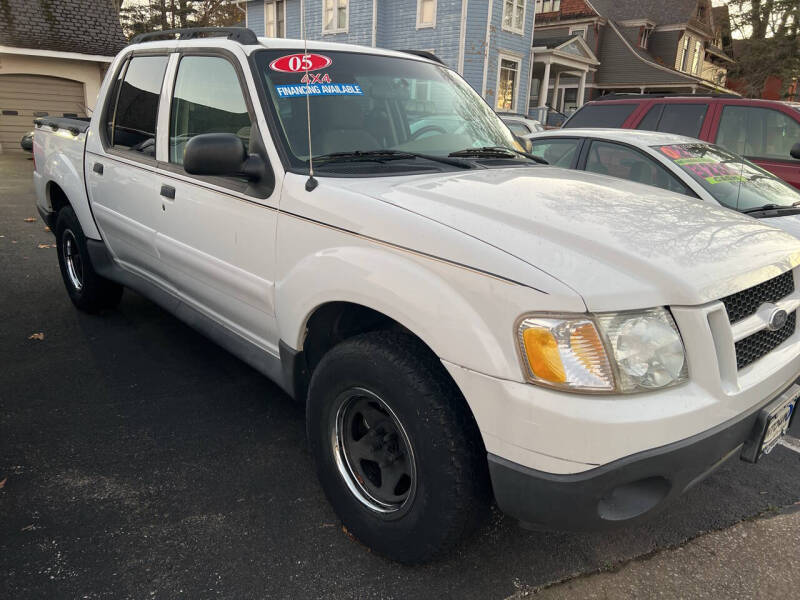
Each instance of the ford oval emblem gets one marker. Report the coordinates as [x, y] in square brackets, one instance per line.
[777, 319]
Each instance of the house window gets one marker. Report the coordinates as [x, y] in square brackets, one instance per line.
[547, 6]
[685, 52]
[274, 19]
[514, 15]
[644, 36]
[697, 60]
[426, 13]
[334, 16]
[579, 30]
[507, 79]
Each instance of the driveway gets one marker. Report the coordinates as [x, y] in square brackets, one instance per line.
[141, 460]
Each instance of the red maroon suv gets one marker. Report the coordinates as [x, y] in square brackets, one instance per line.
[766, 132]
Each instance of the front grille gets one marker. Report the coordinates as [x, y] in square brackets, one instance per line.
[751, 348]
[745, 303]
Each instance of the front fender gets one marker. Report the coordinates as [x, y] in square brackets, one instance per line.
[464, 316]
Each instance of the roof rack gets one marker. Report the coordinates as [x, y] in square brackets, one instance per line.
[634, 96]
[425, 54]
[243, 35]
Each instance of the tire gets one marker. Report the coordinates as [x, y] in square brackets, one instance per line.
[382, 401]
[88, 291]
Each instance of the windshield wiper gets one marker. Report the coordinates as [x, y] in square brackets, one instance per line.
[495, 152]
[385, 155]
[771, 207]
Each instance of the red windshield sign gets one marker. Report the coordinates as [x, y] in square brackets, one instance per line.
[299, 63]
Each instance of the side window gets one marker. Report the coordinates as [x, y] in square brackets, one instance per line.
[557, 152]
[518, 128]
[620, 161]
[601, 115]
[650, 121]
[137, 106]
[207, 99]
[757, 132]
[683, 119]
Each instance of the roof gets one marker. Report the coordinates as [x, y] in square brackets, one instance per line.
[552, 42]
[628, 136]
[82, 26]
[663, 13]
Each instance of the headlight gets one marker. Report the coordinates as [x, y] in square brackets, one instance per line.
[611, 352]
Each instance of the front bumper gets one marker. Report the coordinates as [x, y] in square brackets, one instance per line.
[627, 489]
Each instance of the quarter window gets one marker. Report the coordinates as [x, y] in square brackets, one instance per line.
[758, 132]
[507, 84]
[620, 161]
[136, 114]
[682, 119]
[514, 15]
[426, 13]
[334, 16]
[207, 99]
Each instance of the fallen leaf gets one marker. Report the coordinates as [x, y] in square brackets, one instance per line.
[28, 528]
[30, 219]
[46, 228]
[47, 245]
[36, 336]
[3, 483]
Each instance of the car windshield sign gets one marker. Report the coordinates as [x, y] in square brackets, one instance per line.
[730, 179]
[363, 103]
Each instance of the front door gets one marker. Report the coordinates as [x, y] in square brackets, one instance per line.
[216, 239]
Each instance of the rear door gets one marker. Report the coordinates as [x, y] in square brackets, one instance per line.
[120, 167]
[762, 133]
[216, 236]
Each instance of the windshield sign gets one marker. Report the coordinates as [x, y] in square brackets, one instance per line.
[730, 179]
[375, 108]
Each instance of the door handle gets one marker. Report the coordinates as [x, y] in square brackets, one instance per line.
[168, 191]
[98, 168]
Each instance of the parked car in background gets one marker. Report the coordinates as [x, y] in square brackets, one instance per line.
[27, 142]
[458, 320]
[765, 132]
[521, 125]
[677, 163]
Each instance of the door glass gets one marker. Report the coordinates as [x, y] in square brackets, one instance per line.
[683, 119]
[557, 152]
[650, 121]
[207, 99]
[757, 132]
[601, 115]
[137, 108]
[626, 163]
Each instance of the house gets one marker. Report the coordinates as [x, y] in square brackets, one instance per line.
[585, 48]
[487, 41]
[53, 56]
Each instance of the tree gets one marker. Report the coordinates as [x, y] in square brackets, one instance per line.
[140, 16]
[769, 44]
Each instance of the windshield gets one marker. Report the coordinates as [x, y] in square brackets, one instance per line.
[730, 179]
[363, 102]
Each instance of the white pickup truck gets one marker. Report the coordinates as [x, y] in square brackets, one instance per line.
[462, 323]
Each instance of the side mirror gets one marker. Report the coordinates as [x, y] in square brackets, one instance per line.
[221, 154]
[795, 151]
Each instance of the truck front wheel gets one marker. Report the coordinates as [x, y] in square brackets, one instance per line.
[88, 291]
[396, 449]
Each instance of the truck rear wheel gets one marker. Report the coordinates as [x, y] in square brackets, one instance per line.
[88, 291]
[396, 449]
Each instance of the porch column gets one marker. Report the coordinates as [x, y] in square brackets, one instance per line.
[554, 101]
[544, 87]
[581, 89]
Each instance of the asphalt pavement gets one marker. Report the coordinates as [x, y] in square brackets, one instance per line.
[141, 460]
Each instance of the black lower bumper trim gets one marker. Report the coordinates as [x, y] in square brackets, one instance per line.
[622, 491]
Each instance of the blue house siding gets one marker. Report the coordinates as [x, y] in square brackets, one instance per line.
[397, 29]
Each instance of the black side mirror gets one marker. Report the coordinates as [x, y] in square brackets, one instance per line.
[795, 151]
[221, 154]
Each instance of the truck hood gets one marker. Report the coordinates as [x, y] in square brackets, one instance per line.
[620, 245]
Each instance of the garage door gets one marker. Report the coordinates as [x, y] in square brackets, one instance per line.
[25, 97]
